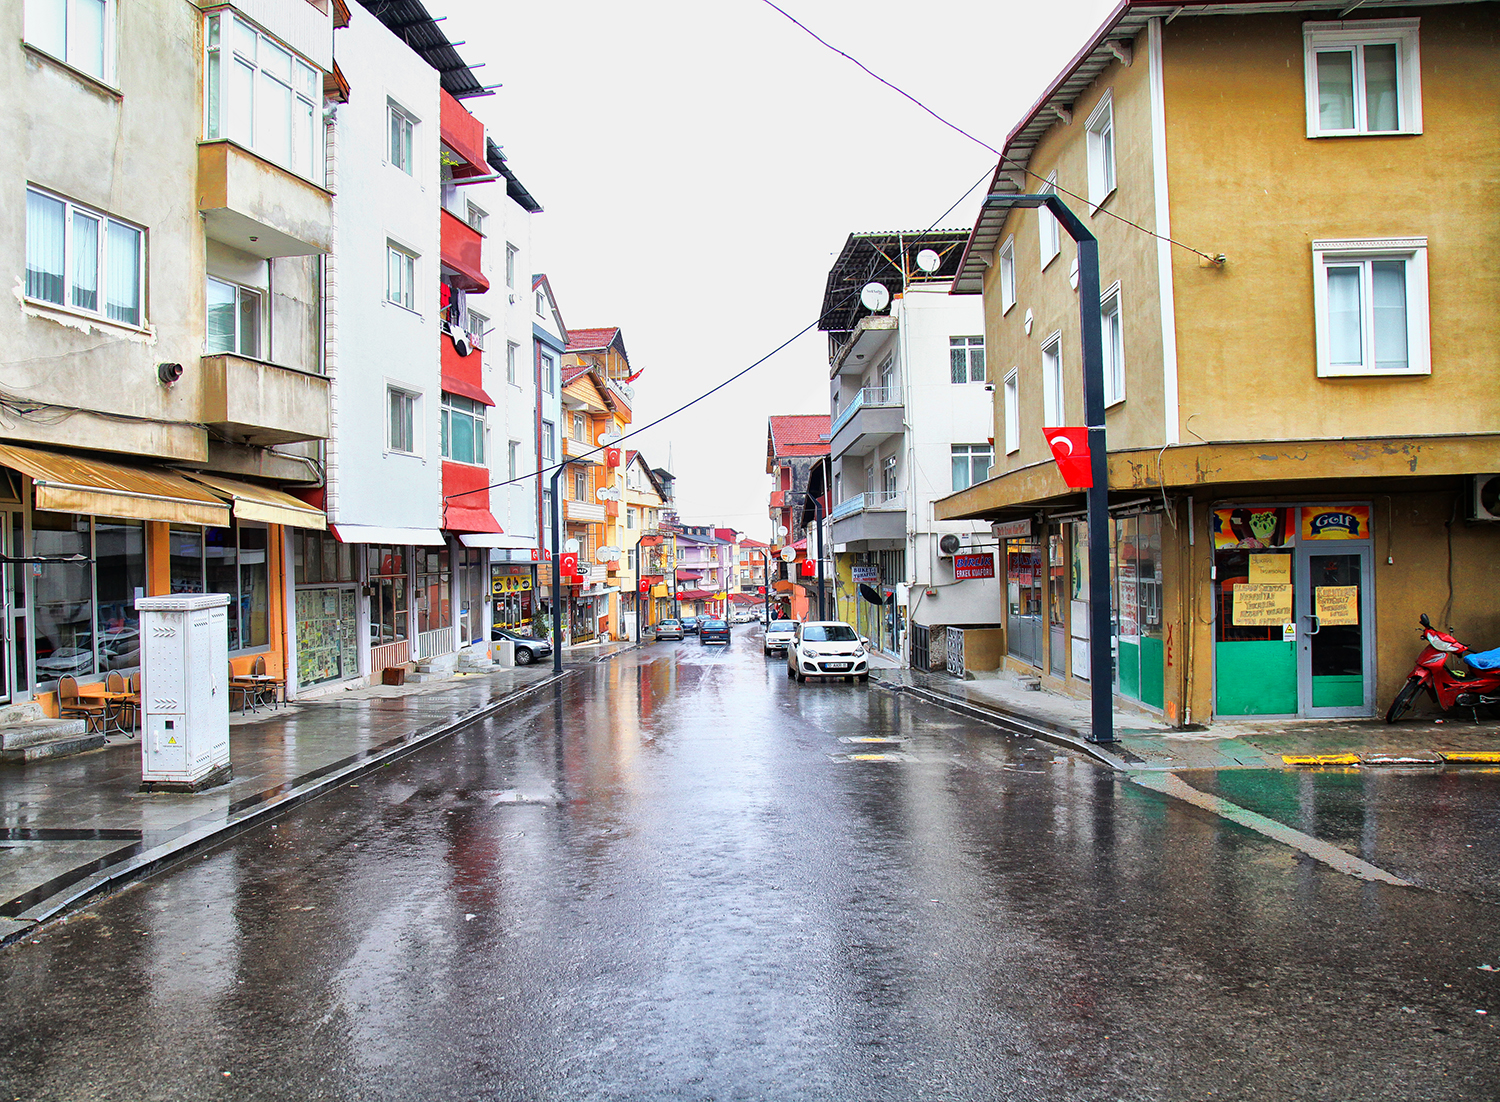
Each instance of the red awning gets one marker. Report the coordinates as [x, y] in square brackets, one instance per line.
[459, 518]
[467, 390]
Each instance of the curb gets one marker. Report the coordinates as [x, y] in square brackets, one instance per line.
[162, 857]
[1427, 759]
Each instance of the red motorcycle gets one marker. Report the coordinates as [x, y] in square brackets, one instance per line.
[1467, 686]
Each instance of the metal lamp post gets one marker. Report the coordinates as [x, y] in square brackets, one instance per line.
[1101, 664]
[557, 565]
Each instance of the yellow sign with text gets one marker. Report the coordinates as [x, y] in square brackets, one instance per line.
[1270, 569]
[509, 583]
[1336, 605]
[1262, 606]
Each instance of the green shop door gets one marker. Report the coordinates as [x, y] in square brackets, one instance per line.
[1255, 651]
[1335, 649]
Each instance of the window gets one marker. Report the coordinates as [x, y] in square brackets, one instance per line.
[512, 353]
[385, 567]
[233, 320]
[403, 420]
[971, 464]
[1370, 304]
[401, 281]
[888, 475]
[1046, 224]
[83, 260]
[479, 325]
[1012, 412]
[549, 373]
[78, 32]
[541, 304]
[1101, 149]
[1052, 381]
[462, 429]
[1113, 334]
[84, 613]
[549, 442]
[580, 428]
[402, 128]
[510, 269]
[514, 466]
[260, 95]
[629, 516]
[1007, 274]
[475, 218]
[966, 359]
[888, 380]
[235, 561]
[1363, 77]
[580, 484]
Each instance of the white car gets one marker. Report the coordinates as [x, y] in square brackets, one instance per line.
[827, 648]
[779, 635]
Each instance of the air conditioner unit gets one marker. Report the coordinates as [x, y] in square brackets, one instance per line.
[1484, 497]
[963, 543]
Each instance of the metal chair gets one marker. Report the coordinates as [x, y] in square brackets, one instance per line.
[276, 686]
[71, 706]
[245, 687]
[122, 709]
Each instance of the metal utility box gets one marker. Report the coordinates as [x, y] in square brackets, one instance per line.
[184, 691]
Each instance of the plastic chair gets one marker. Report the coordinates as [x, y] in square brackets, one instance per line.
[71, 706]
[273, 685]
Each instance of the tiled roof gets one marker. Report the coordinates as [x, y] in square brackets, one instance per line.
[592, 340]
[747, 542]
[800, 434]
[573, 372]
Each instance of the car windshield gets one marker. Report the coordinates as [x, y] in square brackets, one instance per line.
[712, 625]
[782, 625]
[829, 633]
[667, 624]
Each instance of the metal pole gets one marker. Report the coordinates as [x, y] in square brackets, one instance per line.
[818, 517]
[557, 570]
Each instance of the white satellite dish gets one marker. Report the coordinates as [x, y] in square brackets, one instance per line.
[875, 297]
[788, 554]
[781, 530]
[929, 261]
[571, 546]
[608, 439]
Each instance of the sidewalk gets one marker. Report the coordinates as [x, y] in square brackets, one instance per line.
[1143, 744]
[76, 826]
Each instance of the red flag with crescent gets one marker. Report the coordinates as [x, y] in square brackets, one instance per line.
[1070, 447]
[569, 562]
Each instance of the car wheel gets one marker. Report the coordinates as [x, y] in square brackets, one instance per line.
[524, 657]
[864, 677]
[791, 674]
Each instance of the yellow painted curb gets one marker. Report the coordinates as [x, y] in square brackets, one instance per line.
[1320, 759]
[1478, 757]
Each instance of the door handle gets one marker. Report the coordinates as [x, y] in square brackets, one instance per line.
[1317, 625]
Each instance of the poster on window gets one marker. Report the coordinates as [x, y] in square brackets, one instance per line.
[973, 566]
[1261, 606]
[1251, 529]
[1336, 605]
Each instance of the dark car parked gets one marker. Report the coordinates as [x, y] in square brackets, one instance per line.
[713, 631]
[528, 649]
[690, 624]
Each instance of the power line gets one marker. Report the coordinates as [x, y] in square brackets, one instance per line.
[1005, 162]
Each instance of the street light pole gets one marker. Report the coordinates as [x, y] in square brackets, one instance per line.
[557, 566]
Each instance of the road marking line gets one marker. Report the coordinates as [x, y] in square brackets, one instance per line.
[1320, 759]
[1316, 848]
[1486, 757]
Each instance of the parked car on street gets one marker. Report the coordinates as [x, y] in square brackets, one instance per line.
[779, 635]
[826, 648]
[745, 617]
[713, 631]
[668, 629]
[528, 648]
[690, 624]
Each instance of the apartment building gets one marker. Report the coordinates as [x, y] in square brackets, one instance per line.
[796, 459]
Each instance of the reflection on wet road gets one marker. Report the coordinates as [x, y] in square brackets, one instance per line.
[680, 877]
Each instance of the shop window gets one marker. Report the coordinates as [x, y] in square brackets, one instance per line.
[386, 570]
[185, 559]
[1136, 568]
[319, 559]
[1363, 77]
[236, 562]
[85, 620]
[434, 600]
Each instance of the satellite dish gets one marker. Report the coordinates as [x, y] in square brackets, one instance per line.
[929, 261]
[781, 530]
[608, 439]
[875, 297]
[571, 546]
[788, 554]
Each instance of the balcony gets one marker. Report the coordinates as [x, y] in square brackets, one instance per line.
[463, 134]
[462, 249]
[259, 403]
[876, 515]
[258, 207]
[584, 512]
[577, 449]
[873, 417]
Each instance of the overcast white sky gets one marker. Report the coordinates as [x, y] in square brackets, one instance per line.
[702, 163]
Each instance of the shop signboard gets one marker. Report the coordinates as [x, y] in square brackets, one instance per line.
[510, 583]
[1336, 522]
[973, 566]
[870, 575]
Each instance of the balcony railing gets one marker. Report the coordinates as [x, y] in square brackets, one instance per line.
[575, 449]
[870, 501]
[869, 396]
[585, 511]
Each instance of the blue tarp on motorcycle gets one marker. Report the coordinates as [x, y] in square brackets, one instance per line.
[1485, 660]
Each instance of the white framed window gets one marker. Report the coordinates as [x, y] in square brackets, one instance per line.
[512, 355]
[549, 373]
[1100, 131]
[888, 475]
[79, 33]
[1113, 341]
[402, 131]
[403, 420]
[462, 429]
[259, 94]
[1370, 306]
[1012, 394]
[971, 464]
[549, 443]
[541, 304]
[514, 459]
[401, 277]
[479, 325]
[83, 260]
[966, 359]
[475, 217]
[1048, 230]
[1008, 274]
[1052, 382]
[580, 427]
[510, 266]
[1363, 77]
[233, 319]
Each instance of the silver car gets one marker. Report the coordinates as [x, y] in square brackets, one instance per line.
[779, 636]
[827, 648]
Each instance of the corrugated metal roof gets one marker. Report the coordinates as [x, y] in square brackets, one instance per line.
[513, 186]
[409, 21]
[887, 257]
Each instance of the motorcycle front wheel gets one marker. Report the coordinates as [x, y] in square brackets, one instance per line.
[1403, 702]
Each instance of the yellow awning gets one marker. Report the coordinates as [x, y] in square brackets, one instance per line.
[660, 591]
[263, 503]
[72, 484]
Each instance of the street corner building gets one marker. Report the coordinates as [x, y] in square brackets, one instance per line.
[1300, 339]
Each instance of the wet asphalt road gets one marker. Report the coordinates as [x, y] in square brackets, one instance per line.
[670, 881]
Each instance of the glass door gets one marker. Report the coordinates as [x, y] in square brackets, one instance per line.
[7, 602]
[1335, 651]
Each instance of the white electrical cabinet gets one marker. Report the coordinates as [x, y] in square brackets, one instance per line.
[184, 690]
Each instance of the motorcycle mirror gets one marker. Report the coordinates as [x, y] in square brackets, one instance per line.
[1426, 623]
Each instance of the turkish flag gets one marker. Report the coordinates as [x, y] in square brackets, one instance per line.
[611, 457]
[1070, 447]
[569, 562]
[645, 585]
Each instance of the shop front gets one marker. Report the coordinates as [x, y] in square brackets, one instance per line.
[326, 608]
[512, 593]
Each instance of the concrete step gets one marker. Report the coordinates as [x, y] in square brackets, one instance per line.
[54, 748]
[420, 678]
[18, 736]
